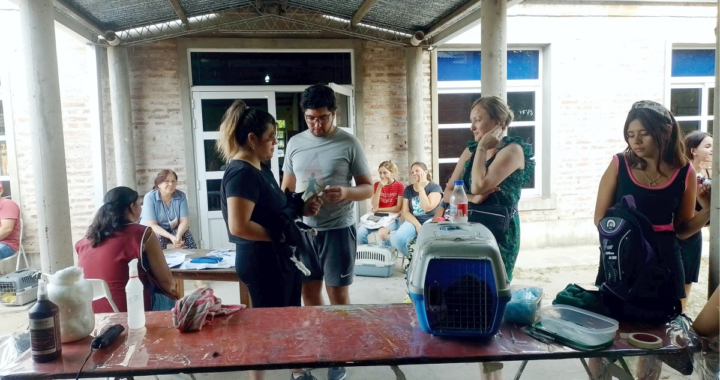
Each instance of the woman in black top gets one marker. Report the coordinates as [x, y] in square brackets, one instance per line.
[251, 203]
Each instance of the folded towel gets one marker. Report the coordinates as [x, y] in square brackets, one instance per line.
[198, 309]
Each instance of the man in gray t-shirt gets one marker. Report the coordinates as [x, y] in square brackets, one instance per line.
[326, 159]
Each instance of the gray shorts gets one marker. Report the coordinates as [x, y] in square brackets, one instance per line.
[331, 256]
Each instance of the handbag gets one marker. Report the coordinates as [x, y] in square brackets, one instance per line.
[495, 218]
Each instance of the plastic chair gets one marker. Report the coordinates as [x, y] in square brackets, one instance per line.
[20, 252]
[101, 290]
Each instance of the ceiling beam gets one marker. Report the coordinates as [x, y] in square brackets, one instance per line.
[460, 26]
[462, 12]
[180, 13]
[77, 15]
[362, 11]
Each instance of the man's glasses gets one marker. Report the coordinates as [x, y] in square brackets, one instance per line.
[322, 119]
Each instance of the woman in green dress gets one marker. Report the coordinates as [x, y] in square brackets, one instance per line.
[494, 169]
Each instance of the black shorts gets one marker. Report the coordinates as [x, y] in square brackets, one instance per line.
[691, 251]
[330, 256]
[271, 281]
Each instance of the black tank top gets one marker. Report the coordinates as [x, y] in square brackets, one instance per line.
[657, 203]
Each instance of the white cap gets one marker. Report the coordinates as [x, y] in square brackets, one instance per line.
[132, 265]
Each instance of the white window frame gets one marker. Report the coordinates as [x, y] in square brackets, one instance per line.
[703, 83]
[525, 85]
[9, 139]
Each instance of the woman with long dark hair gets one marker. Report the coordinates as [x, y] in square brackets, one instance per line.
[252, 204]
[113, 239]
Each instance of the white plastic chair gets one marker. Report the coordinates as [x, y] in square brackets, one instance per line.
[20, 252]
[101, 290]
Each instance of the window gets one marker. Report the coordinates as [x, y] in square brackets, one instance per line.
[692, 89]
[4, 164]
[459, 86]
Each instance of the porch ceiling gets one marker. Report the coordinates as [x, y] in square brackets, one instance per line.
[390, 21]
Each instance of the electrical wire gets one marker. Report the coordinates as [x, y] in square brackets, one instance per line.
[83, 365]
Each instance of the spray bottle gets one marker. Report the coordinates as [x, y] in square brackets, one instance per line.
[44, 326]
[135, 300]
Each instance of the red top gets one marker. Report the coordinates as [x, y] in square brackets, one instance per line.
[389, 194]
[109, 262]
[10, 210]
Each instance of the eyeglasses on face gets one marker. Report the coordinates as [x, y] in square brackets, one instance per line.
[171, 182]
[322, 119]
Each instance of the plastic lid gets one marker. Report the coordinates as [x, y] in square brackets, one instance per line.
[133, 267]
[459, 183]
[42, 293]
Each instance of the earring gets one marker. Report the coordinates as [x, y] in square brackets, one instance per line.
[252, 146]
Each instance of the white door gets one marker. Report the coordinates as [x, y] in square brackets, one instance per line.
[345, 116]
[208, 110]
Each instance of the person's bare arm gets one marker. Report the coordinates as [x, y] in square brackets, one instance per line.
[506, 162]
[606, 192]
[408, 216]
[457, 172]
[687, 223]
[360, 192]
[182, 227]
[158, 230]
[375, 200]
[6, 227]
[707, 322]
[239, 223]
[428, 202]
[160, 270]
[289, 182]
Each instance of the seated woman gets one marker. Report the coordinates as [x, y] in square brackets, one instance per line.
[387, 198]
[494, 168]
[113, 239]
[165, 210]
[420, 201]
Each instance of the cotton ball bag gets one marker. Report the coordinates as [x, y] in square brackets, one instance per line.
[73, 294]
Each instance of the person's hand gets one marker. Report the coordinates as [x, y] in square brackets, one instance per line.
[335, 193]
[477, 199]
[382, 183]
[703, 195]
[312, 206]
[491, 140]
[178, 243]
[374, 209]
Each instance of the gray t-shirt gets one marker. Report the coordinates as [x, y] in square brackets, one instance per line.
[413, 198]
[318, 162]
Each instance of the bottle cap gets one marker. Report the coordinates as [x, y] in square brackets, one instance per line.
[459, 183]
[132, 265]
[42, 293]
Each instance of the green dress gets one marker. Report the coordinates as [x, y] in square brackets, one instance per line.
[508, 196]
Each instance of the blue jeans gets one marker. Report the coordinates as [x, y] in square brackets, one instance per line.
[402, 237]
[363, 232]
[5, 251]
[160, 302]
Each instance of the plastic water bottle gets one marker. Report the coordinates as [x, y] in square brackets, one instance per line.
[135, 300]
[458, 204]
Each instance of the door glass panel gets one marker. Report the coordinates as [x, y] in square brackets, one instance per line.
[685, 101]
[689, 126]
[452, 142]
[455, 108]
[6, 189]
[213, 160]
[2, 120]
[523, 105]
[710, 127]
[342, 117]
[446, 171]
[711, 101]
[214, 109]
[213, 194]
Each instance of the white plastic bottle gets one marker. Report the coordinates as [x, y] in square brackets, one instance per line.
[459, 204]
[135, 300]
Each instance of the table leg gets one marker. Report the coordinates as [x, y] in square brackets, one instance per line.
[245, 295]
[180, 286]
[520, 370]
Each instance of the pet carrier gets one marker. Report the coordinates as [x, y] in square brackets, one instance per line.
[373, 260]
[457, 280]
[19, 288]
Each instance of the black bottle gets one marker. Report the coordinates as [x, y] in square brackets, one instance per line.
[44, 324]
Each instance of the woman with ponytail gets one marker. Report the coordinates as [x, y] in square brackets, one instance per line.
[113, 239]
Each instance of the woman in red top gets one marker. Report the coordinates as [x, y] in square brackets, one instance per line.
[387, 199]
[113, 239]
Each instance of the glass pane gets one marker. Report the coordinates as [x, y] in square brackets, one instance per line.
[523, 64]
[685, 101]
[523, 105]
[4, 159]
[466, 66]
[213, 194]
[342, 117]
[528, 136]
[452, 142]
[213, 160]
[455, 108]
[693, 63]
[273, 69]
[711, 101]
[6, 189]
[689, 126]
[445, 173]
[2, 120]
[214, 109]
[710, 127]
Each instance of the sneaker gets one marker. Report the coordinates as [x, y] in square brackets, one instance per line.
[407, 299]
[306, 375]
[336, 373]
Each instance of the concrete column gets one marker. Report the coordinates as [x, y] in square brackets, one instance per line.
[414, 83]
[493, 46]
[48, 145]
[95, 55]
[714, 270]
[122, 116]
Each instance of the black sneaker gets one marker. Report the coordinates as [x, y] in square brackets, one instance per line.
[306, 375]
[336, 373]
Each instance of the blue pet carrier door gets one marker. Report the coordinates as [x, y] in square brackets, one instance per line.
[461, 296]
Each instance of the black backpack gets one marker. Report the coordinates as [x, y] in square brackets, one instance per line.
[634, 279]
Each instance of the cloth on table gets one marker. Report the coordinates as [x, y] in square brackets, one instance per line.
[573, 295]
[198, 309]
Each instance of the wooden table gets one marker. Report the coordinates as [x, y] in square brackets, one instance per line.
[301, 337]
[207, 274]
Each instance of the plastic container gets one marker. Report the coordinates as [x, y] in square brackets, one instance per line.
[73, 294]
[372, 260]
[457, 280]
[135, 299]
[458, 204]
[524, 304]
[581, 327]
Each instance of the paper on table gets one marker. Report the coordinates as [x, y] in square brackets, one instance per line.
[175, 259]
[224, 264]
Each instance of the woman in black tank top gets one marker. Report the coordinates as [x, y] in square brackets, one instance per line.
[653, 168]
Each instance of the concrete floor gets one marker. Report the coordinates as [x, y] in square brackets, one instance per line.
[370, 290]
